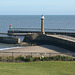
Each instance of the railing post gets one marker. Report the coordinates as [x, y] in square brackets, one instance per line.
[31, 53]
[12, 57]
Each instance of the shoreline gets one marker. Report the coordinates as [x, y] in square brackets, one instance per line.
[2, 49]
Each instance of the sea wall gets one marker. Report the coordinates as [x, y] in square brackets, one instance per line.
[44, 39]
[12, 32]
[9, 40]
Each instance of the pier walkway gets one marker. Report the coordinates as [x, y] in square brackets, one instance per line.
[64, 37]
[58, 37]
[57, 33]
[25, 31]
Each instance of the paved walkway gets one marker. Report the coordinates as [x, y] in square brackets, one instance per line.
[64, 37]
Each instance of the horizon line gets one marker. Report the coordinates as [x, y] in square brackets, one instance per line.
[36, 14]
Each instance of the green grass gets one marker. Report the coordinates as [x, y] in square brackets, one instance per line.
[38, 68]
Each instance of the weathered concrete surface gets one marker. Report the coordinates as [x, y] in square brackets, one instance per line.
[9, 40]
[52, 40]
[22, 33]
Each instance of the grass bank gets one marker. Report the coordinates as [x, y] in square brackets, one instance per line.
[38, 68]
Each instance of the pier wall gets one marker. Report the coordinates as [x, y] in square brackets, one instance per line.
[44, 39]
[9, 40]
[12, 32]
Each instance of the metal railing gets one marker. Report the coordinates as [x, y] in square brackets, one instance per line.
[46, 30]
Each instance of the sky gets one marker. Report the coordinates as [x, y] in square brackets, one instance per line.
[37, 7]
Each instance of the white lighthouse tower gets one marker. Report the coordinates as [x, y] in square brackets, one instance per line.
[42, 24]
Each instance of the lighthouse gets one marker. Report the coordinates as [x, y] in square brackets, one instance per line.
[42, 24]
[10, 27]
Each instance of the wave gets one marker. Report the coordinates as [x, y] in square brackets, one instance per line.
[9, 48]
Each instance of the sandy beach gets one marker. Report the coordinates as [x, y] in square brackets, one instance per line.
[40, 48]
[47, 50]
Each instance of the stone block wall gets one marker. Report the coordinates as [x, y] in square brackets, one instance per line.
[9, 40]
[44, 39]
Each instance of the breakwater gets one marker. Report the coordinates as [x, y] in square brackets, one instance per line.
[25, 31]
[50, 40]
[9, 40]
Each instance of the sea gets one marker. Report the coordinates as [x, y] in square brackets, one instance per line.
[34, 21]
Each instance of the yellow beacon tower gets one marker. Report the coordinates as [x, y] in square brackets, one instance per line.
[42, 24]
